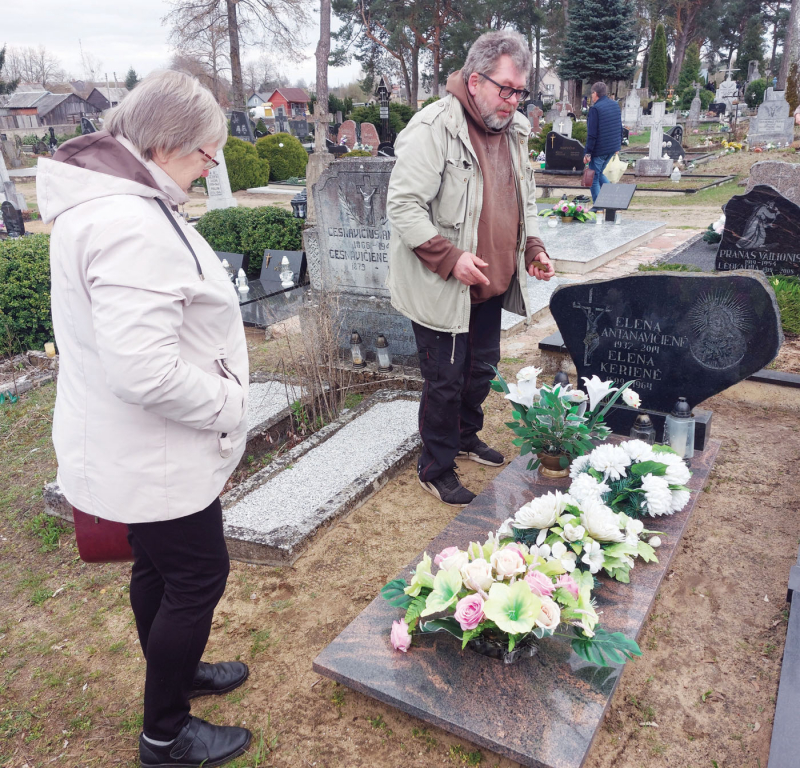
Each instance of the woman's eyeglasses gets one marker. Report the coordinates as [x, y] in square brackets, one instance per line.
[506, 91]
[211, 164]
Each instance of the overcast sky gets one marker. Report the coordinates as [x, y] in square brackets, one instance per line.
[121, 35]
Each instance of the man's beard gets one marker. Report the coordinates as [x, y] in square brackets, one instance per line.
[490, 117]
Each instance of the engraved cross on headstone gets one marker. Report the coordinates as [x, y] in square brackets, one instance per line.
[592, 339]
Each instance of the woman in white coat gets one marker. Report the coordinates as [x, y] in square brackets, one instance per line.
[150, 415]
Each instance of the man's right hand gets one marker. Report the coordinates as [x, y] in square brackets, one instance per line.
[467, 270]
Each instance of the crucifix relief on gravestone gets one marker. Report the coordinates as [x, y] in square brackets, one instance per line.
[241, 127]
[592, 339]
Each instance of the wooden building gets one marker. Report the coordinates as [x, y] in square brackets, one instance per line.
[63, 109]
[104, 98]
[289, 101]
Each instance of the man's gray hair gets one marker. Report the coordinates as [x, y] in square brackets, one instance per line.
[600, 89]
[171, 113]
[489, 47]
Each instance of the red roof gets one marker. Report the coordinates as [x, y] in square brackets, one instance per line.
[297, 95]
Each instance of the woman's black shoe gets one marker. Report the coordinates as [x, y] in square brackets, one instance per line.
[214, 679]
[198, 743]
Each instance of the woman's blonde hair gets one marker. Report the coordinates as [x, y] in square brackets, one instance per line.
[168, 112]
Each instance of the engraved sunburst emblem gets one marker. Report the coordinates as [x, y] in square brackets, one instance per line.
[719, 321]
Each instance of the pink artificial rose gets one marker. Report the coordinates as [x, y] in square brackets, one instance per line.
[400, 637]
[579, 208]
[565, 581]
[444, 554]
[539, 583]
[469, 612]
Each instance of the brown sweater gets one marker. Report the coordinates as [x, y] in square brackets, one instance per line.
[499, 221]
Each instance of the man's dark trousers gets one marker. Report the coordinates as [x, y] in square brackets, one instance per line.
[457, 371]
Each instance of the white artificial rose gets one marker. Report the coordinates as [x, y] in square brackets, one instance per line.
[457, 560]
[574, 532]
[543, 511]
[578, 396]
[549, 615]
[638, 450]
[478, 575]
[504, 531]
[611, 460]
[585, 488]
[677, 472]
[657, 496]
[507, 562]
[631, 398]
[600, 522]
[679, 500]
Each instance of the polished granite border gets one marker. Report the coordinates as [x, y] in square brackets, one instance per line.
[542, 712]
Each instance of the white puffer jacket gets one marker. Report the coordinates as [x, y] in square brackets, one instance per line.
[150, 416]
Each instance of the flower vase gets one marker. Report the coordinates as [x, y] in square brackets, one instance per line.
[497, 648]
[567, 219]
[551, 465]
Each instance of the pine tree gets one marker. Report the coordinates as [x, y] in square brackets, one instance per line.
[690, 71]
[131, 79]
[11, 85]
[751, 48]
[657, 64]
[600, 41]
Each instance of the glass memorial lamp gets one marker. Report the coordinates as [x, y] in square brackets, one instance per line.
[382, 350]
[227, 267]
[242, 285]
[561, 378]
[679, 429]
[286, 275]
[356, 352]
[300, 205]
[643, 429]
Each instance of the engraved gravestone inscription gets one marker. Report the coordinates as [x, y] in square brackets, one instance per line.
[675, 335]
[761, 232]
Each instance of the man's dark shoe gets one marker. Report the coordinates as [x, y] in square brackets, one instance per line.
[214, 679]
[483, 454]
[198, 743]
[448, 488]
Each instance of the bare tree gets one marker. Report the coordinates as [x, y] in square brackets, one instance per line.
[91, 64]
[34, 65]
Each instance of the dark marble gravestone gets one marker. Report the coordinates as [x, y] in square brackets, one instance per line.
[613, 198]
[676, 335]
[299, 127]
[563, 154]
[717, 108]
[673, 147]
[676, 132]
[271, 269]
[86, 126]
[762, 231]
[541, 712]
[12, 220]
[241, 126]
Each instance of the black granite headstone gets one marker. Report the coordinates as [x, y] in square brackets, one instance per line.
[717, 108]
[241, 127]
[614, 197]
[677, 133]
[236, 260]
[386, 149]
[271, 268]
[86, 126]
[673, 147]
[676, 335]
[626, 135]
[563, 154]
[12, 220]
[762, 231]
[299, 127]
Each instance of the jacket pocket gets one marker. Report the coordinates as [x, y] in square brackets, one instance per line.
[225, 444]
[429, 363]
[452, 208]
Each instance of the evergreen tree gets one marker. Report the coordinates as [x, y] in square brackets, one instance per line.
[690, 71]
[11, 85]
[751, 48]
[657, 63]
[600, 42]
[131, 79]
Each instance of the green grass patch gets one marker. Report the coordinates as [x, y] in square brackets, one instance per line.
[260, 641]
[461, 756]
[353, 399]
[46, 528]
[669, 268]
[787, 292]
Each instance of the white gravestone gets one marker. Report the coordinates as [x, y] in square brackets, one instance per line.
[654, 164]
[633, 109]
[563, 124]
[773, 124]
[8, 188]
[727, 92]
[646, 121]
[219, 186]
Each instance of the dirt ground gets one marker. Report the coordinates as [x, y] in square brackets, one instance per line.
[71, 671]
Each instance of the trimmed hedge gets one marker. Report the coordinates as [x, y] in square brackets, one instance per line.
[251, 231]
[286, 156]
[25, 319]
[754, 94]
[245, 168]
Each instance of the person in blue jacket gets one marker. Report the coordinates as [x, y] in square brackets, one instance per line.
[604, 134]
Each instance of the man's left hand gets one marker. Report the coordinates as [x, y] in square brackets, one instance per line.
[541, 274]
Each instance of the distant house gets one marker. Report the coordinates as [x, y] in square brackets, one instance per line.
[63, 109]
[257, 99]
[103, 97]
[550, 84]
[289, 101]
[18, 109]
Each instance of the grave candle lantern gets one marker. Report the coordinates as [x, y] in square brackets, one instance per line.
[242, 284]
[643, 429]
[286, 275]
[561, 379]
[355, 350]
[382, 350]
[679, 429]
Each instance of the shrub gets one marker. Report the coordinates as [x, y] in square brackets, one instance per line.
[429, 100]
[357, 153]
[537, 144]
[250, 231]
[787, 293]
[285, 154]
[706, 97]
[245, 168]
[399, 115]
[580, 132]
[25, 292]
[754, 94]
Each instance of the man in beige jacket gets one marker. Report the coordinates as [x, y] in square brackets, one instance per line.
[464, 239]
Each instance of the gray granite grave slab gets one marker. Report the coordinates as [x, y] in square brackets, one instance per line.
[580, 248]
[539, 293]
[271, 517]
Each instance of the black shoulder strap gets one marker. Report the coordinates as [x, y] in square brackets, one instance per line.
[181, 235]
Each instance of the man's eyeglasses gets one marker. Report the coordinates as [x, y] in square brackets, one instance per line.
[506, 91]
[212, 163]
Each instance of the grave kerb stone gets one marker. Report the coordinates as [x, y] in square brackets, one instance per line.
[218, 186]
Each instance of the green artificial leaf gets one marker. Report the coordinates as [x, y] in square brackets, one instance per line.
[658, 448]
[605, 647]
[496, 386]
[446, 586]
[646, 552]
[621, 573]
[442, 625]
[415, 609]
[565, 597]
[563, 462]
[512, 641]
[595, 474]
[516, 415]
[470, 633]
[649, 468]
[393, 592]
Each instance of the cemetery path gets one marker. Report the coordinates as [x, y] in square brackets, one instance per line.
[71, 672]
